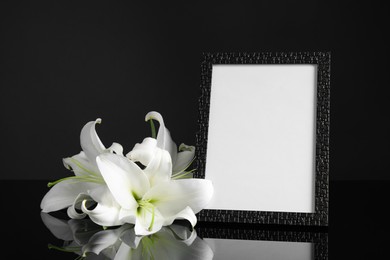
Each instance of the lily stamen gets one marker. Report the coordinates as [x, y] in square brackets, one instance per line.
[78, 178]
[82, 167]
[184, 169]
[64, 249]
[182, 174]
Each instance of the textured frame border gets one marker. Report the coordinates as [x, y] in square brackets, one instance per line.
[319, 239]
[320, 215]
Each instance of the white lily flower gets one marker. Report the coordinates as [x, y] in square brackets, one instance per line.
[148, 154]
[112, 189]
[68, 192]
[147, 203]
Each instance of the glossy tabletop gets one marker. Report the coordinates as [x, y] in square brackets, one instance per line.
[358, 228]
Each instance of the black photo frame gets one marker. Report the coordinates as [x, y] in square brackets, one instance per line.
[319, 215]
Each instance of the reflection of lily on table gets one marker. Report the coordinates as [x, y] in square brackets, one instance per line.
[89, 240]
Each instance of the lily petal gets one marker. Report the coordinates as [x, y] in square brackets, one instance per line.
[126, 252]
[103, 195]
[104, 239]
[164, 140]
[58, 227]
[128, 215]
[72, 210]
[83, 229]
[107, 210]
[116, 148]
[160, 168]
[193, 248]
[172, 197]
[187, 236]
[199, 250]
[166, 245]
[130, 238]
[108, 253]
[80, 165]
[90, 141]
[63, 194]
[144, 152]
[148, 222]
[184, 158]
[158, 162]
[73, 214]
[187, 214]
[102, 215]
[124, 178]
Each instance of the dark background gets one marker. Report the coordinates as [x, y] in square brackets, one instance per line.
[65, 63]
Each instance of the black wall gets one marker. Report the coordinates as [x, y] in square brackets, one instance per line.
[63, 64]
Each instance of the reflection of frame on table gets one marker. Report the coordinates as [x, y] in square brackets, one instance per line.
[321, 196]
[319, 239]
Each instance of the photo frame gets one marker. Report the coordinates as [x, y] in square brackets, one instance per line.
[263, 137]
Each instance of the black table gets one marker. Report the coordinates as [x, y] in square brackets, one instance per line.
[358, 227]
